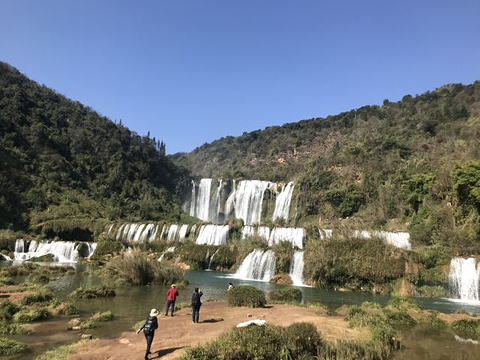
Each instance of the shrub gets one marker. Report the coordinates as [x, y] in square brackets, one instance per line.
[432, 319]
[7, 310]
[137, 268]
[11, 329]
[298, 341]
[402, 303]
[38, 297]
[92, 292]
[286, 294]
[67, 308]
[246, 296]
[27, 316]
[10, 347]
[284, 253]
[93, 320]
[471, 327]
[400, 318]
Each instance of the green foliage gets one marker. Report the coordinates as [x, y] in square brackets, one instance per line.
[66, 161]
[10, 347]
[416, 188]
[246, 296]
[403, 304]
[286, 294]
[92, 292]
[467, 326]
[11, 329]
[137, 268]
[66, 308]
[41, 296]
[28, 316]
[61, 352]
[433, 320]
[107, 246]
[199, 256]
[8, 309]
[352, 262]
[399, 318]
[94, 320]
[466, 181]
[298, 341]
[284, 254]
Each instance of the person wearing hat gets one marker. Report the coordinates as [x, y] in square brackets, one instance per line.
[172, 294]
[149, 327]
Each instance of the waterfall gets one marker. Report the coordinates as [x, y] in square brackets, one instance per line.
[258, 265]
[182, 233]
[464, 279]
[4, 257]
[218, 202]
[230, 204]
[119, 232]
[172, 232]
[282, 202]
[63, 251]
[248, 231]
[91, 249]
[202, 207]
[213, 235]
[138, 232]
[296, 268]
[292, 235]
[211, 260]
[398, 239]
[249, 200]
[146, 233]
[263, 232]
[325, 233]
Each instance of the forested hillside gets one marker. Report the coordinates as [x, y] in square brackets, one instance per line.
[61, 160]
[413, 163]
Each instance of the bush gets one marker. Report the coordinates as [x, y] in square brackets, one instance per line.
[93, 320]
[11, 329]
[27, 316]
[67, 308]
[7, 310]
[284, 253]
[402, 303]
[261, 342]
[246, 296]
[400, 318]
[10, 347]
[286, 294]
[471, 327]
[137, 268]
[38, 297]
[432, 319]
[92, 292]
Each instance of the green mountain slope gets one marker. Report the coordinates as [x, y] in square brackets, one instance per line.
[61, 160]
[397, 165]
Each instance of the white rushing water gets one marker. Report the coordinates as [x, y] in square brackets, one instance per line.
[202, 206]
[398, 239]
[296, 268]
[213, 235]
[292, 235]
[258, 265]
[464, 279]
[245, 200]
[63, 251]
[5, 257]
[172, 232]
[182, 234]
[249, 200]
[282, 202]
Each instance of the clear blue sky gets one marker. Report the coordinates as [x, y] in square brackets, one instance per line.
[193, 71]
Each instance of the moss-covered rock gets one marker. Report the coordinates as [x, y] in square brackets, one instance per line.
[281, 279]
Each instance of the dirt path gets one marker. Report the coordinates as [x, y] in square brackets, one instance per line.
[176, 333]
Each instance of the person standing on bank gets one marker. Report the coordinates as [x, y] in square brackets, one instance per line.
[196, 303]
[149, 327]
[172, 294]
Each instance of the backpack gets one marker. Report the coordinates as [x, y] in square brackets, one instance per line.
[195, 300]
[149, 328]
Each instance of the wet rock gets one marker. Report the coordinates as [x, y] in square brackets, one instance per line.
[86, 336]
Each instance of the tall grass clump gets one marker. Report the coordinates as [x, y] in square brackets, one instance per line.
[92, 292]
[137, 268]
[27, 316]
[298, 341]
[10, 347]
[44, 295]
[8, 309]
[286, 294]
[246, 296]
[467, 326]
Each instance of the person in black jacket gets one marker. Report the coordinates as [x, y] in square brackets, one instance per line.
[149, 327]
[196, 303]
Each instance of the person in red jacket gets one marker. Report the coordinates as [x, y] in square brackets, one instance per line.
[172, 294]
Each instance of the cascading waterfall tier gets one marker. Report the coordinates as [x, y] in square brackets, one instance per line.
[63, 251]
[213, 235]
[282, 203]
[398, 239]
[464, 279]
[258, 265]
[243, 200]
[296, 268]
[138, 233]
[293, 235]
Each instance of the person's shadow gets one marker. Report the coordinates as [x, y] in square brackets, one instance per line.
[164, 352]
[212, 320]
